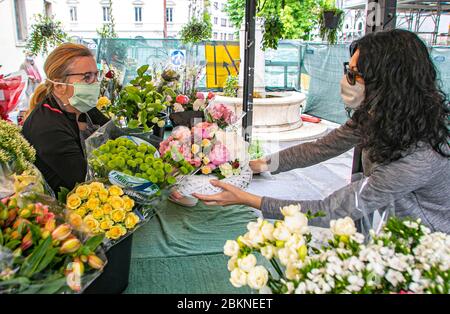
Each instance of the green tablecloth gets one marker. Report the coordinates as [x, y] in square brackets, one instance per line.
[180, 250]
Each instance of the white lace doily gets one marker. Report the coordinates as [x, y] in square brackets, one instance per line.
[200, 183]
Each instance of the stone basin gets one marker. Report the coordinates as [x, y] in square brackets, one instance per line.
[278, 112]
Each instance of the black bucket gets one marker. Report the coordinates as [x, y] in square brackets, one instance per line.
[114, 278]
[187, 118]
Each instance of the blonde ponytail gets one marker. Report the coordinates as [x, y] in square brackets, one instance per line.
[56, 67]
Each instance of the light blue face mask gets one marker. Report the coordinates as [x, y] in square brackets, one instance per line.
[85, 96]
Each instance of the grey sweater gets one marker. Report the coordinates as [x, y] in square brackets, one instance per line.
[416, 185]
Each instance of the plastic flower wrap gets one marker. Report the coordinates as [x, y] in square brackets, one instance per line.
[40, 252]
[405, 257]
[99, 208]
[132, 163]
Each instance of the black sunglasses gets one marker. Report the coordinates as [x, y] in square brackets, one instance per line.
[88, 77]
[351, 74]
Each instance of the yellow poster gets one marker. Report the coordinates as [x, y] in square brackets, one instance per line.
[222, 59]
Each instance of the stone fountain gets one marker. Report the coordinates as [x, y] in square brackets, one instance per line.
[276, 115]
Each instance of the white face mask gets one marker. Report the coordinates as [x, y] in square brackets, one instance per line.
[352, 95]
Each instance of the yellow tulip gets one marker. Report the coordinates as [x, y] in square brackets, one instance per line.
[62, 232]
[70, 246]
[95, 262]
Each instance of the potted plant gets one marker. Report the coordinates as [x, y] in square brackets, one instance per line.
[190, 102]
[45, 34]
[141, 106]
[330, 21]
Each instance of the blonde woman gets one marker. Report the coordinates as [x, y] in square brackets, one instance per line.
[62, 115]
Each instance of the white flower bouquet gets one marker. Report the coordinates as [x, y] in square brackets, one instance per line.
[405, 257]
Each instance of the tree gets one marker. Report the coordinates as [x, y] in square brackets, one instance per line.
[288, 19]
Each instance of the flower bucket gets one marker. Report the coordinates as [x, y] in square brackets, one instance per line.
[114, 279]
[331, 19]
[186, 118]
[157, 131]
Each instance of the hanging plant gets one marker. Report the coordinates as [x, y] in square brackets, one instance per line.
[273, 32]
[330, 22]
[45, 34]
[195, 31]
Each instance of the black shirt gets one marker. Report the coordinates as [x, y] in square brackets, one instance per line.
[55, 135]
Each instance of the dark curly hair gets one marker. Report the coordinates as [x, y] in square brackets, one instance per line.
[403, 104]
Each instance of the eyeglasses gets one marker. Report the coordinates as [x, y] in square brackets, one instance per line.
[88, 77]
[351, 74]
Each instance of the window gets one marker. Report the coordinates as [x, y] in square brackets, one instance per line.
[223, 22]
[216, 5]
[215, 35]
[106, 15]
[215, 20]
[230, 37]
[360, 26]
[21, 20]
[138, 14]
[73, 14]
[221, 36]
[169, 14]
[223, 6]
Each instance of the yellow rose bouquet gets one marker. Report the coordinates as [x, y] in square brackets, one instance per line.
[97, 208]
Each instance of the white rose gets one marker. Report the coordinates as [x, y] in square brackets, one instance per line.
[247, 263]
[256, 237]
[297, 223]
[252, 225]
[178, 107]
[290, 210]
[268, 251]
[267, 231]
[343, 226]
[238, 278]
[198, 104]
[231, 248]
[257, 277]
[281, 232]
[232, 264]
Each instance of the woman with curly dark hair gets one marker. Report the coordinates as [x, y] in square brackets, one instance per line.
[400, 121]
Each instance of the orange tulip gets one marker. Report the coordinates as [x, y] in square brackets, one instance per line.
[95, 262]
[70, 246]
[61, 232]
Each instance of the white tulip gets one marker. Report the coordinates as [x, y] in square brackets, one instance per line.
[292, 273]
[238, 278]
[257, 277]
[256, 237]
[268, 251]
[178, 107]
[247, 263]
[343, 226]
[281, 232]
[232, 264]
[290, 210]
[198, 104]
[267, 231]
[231, 248]
[296, 223]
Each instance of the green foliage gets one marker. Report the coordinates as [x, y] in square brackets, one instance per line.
[140, 103]
[273, 32]
[329, 34]
[108, 29]
[45, 34]
[231, 86]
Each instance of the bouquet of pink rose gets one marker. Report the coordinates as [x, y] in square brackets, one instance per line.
[208, 148]
[221, 115]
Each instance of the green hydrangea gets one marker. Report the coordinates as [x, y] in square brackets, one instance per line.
[14, 147]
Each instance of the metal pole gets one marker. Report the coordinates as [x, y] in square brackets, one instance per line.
[249, 69]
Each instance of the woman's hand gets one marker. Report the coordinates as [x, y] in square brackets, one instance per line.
[259, 165]
[231, 195]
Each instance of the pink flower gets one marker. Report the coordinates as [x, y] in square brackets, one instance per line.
[181, 133]
[200, 95]
[221, 113]
[219, 154]
[182, 99]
